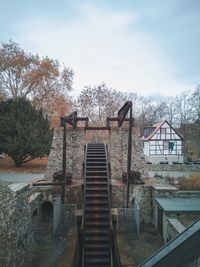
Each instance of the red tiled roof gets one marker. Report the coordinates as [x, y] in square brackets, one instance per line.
[157, 126]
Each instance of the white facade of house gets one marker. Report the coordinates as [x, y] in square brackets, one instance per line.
[162, 143]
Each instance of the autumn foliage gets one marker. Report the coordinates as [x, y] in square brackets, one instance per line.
[41, 80]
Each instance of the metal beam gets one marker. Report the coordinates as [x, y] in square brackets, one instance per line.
[46, 184]
[71, 119]
[64, 153]
[129, 154]
[123, 112]
[179, 252]
[121, 118]
[97, 128]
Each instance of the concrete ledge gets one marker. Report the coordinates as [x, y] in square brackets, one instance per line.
[176, 224]
[18, 187]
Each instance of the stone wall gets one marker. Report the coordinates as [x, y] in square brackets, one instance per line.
[118, 196]
[116, 138]
[74, 195]
[118, 148]
[143, 196]
[21, 212]
[19, 218]
[176, 170]
[146, 193]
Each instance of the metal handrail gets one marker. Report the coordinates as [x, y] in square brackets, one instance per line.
[115, 250]
[108, 161]
[84, 190]
[113, 255]
[76, 257]
[108, 178]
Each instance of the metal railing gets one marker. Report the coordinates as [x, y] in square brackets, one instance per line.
[65, 219]
[128, 222]
[115, 250]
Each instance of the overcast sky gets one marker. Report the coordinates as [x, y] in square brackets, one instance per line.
[149, 46]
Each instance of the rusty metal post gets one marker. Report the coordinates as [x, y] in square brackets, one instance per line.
[63, 193]
[64, 152]
[129, 154]
[63, 165]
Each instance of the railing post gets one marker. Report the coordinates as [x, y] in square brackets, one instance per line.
[63, 165]
[64, 151]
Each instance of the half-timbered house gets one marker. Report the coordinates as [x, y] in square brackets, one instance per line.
[162, 143]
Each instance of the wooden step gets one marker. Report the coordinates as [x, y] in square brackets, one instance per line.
[96, 173]
[96, 208]
[97, 253]
[96, 177]
[96, 183]
[97, 168]
[100, 201]
[97, 239]
[96, 224]
[97, 260]
[96, 163]
[97, 216]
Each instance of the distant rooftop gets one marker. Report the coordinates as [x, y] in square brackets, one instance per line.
[179, 204]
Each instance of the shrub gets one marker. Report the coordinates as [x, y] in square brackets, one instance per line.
[190, 183]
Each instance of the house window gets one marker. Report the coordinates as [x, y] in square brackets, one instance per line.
[168, 146]
[165, 145]
[171, 146]
[162, 130]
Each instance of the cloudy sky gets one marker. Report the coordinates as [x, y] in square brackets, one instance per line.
[150, 46]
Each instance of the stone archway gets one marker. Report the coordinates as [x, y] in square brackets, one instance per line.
[47, 211]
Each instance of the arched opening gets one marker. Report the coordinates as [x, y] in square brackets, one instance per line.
[47, 211]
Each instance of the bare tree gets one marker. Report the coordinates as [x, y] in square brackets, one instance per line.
[99, 102]
[196, 103]
[184, 111]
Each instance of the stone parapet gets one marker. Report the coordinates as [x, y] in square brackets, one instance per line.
[173, 167]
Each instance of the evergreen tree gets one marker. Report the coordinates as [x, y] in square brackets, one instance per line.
[24, 132]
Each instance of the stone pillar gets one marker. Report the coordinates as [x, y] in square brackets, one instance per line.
[75, 140]
[118, 147]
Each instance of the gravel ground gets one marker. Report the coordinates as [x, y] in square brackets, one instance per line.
[134, 252]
